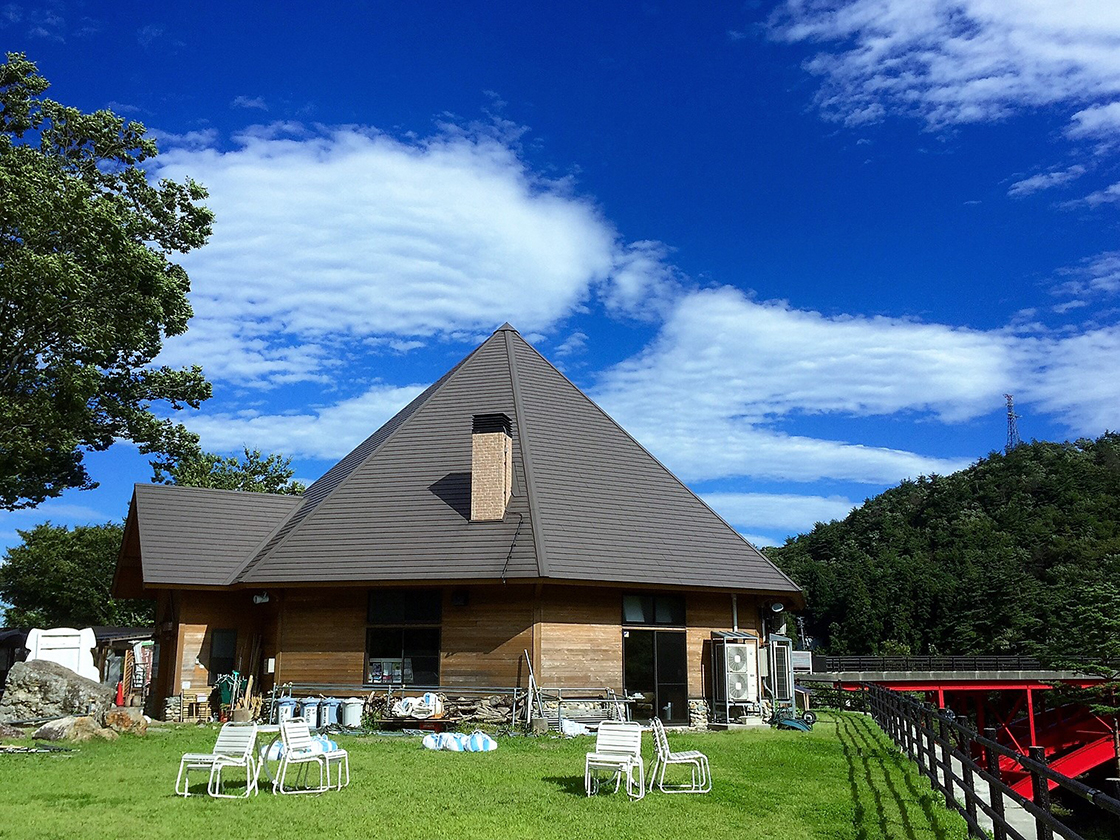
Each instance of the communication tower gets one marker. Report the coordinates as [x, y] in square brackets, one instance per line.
[1012, 427]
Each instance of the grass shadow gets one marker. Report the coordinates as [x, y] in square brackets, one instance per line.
[571, 785]
[874, 768]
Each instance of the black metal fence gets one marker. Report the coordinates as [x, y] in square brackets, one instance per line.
[833, 664]
[965, 766]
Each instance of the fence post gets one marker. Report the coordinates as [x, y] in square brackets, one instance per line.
[908, 718]
[964, 744]
[995, 795]
[946, 758]
[925, 732]
[1040, 786]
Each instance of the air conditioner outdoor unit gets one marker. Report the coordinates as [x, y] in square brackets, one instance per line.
[734, 675]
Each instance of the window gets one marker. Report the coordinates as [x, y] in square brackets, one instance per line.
[403, 639]
[405, 606]
[665, 610]
[223, 651]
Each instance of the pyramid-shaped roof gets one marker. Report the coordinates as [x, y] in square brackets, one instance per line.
[589, 503]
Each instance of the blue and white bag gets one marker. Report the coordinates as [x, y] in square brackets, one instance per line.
[479, 741]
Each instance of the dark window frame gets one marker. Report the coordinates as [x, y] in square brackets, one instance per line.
[404, 618]
[651, 606]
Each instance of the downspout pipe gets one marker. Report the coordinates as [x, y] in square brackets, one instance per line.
[735, 612]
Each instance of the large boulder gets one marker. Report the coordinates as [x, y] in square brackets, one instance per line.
[10, 731]
[84, 728]
[40, 689]
[126, 719]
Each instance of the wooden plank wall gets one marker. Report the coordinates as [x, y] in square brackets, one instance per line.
[580, 637]
[323, 636]
[202, 612]
[706, 612]
[573, 633]
[484, 640]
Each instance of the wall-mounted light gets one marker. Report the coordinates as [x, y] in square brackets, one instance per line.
[260, 598]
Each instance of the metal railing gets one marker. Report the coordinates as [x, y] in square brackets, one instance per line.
[834, 664]
[942, 744]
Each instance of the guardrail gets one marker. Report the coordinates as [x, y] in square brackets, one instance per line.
[934, 738]
[832, 664]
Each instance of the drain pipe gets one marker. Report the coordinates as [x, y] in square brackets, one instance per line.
[735, 612]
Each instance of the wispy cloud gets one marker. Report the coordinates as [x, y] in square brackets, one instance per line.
[781, 512]
[1096, 122]
[326, 432]
[1099, 273]
[324, 236]
[749, 371]
[1108, 195]
[253, 103]
[960, 62]
[1045, 181]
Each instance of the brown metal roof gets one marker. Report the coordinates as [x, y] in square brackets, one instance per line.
[199, 536]
[589, 503]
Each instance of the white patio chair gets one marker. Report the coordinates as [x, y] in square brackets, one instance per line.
[698, 764]
[300, 749]
[235, 747]
[618, 750]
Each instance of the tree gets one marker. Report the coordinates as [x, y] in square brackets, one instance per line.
[87, 290]
[1019, 553]
[60, 577]
[256, 473]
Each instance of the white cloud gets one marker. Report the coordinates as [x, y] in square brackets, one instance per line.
[1099, 273]
[1109, 195]
[1096, 121]
[1075, 378]
[746, 372]
[1045, 181]
[784, 512]
[956, 62]
[323, 237]
[327, 432]
[255, 103]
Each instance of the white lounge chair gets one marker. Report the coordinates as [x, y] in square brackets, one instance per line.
[618, 750]
[300, 749]
[697, 761]
[235, 748]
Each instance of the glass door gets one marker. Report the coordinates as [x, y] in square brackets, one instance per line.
[655, 666]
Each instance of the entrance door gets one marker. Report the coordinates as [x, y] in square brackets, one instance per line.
[655, 665]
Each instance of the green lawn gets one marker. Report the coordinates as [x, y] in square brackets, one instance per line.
[843, 780]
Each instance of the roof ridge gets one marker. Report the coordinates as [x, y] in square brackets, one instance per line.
[415, 405]
[526, 457]
[187, 487]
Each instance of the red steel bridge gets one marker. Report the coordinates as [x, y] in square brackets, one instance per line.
[1008, 693]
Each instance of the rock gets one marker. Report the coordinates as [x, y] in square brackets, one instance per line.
[84, 728]
[10, 731]
[55, 730]
[87, 728]
[41, 689]
[125, 719]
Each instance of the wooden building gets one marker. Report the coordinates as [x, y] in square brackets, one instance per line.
[500, 512]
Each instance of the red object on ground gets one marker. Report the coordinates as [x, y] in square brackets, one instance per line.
[120, 692]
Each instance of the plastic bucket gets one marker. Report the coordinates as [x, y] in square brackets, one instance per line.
[309, 710]
[328, 712]
[351, 712]
[286, 709]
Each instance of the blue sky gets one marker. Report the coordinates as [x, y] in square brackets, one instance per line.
[799, 250]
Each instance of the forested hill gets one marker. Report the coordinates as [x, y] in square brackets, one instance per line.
[1019, 553]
